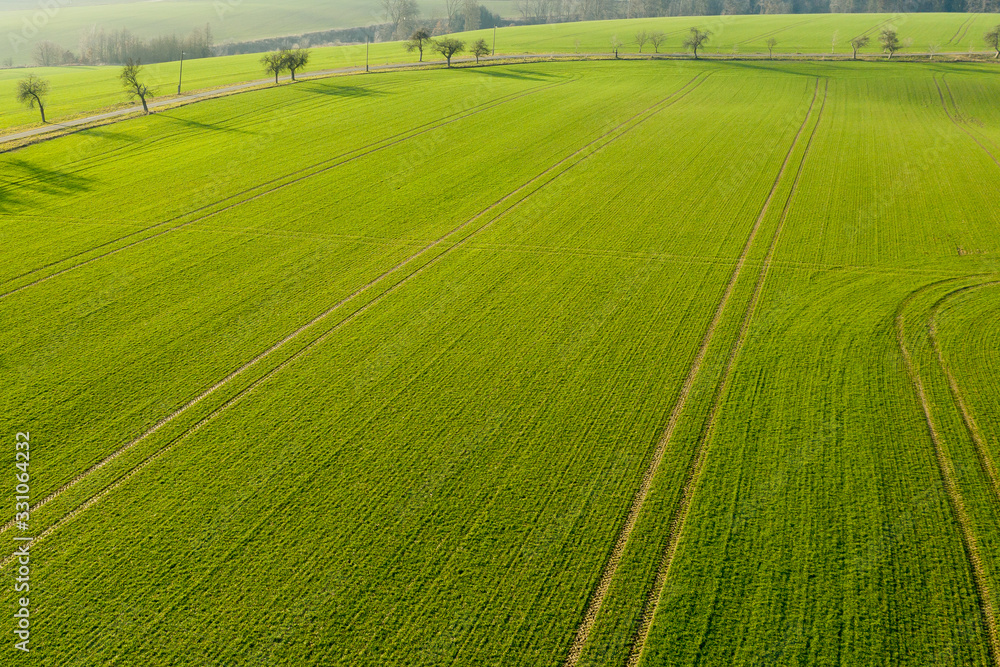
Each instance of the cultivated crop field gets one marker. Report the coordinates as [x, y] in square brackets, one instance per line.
[597, 363]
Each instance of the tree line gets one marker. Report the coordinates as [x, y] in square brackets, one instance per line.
[551, 11]
[101, 47]
[402, 17]
[32, 90]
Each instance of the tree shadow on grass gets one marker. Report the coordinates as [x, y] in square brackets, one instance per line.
[510, 73]
[197, 125]
[338, 91]
[810, 71]
[24, 181]
[104, 133]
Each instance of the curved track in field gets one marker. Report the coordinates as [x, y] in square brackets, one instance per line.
[491, 214]
[962, 30]
[970, 542]
[975, 434]
[599, 594]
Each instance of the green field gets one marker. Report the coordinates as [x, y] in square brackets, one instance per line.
[81, 90]
[600, 363]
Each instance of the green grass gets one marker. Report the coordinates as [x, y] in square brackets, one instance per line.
[451, 313]
[82, 90]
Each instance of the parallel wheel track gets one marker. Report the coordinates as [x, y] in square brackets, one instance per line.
[599, 594]
[555, 171]
[266, 188]
[697, 466]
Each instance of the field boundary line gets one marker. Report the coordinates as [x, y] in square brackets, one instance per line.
[955, 499]
[635, 120]
[599, 594]
[296, 176]
[697, 466]
[955, 121]
[982, 451]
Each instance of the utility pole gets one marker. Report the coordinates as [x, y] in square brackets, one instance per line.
[494, 41]
[366, 52]
[180, 79]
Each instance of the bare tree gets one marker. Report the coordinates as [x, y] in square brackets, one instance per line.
[889, 40]
[657, 38]
[295, 59]
[452, 7]
[932, 50]
[993, 40]
[696, 40]
[448, 47]
[133, 86]
[418, 39]
[47, 54]
[274, 63]
[31, 90]
[401, 14]
[641, 38]
[858, 43]
[472, 14]
[833, 42]
[771, 43]
[480, 48]
[616, 44]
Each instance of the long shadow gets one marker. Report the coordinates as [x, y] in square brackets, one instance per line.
[338, 91]
[808, 71]
[104, 133]
[508, 73]
[214, 127]
[25, 180]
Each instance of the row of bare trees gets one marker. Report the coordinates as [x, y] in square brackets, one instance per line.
[99, 46]
[32, 90]
[403, 17]
[888, 39]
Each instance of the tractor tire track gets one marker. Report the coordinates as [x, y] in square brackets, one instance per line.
[955, 38]
[554, 172]
[697, 466]
[639, 498]
[968, 25]
[255, 192]
[773, 32]
[984, 596]
[875, 27]
[978, 440]
[957, 123]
